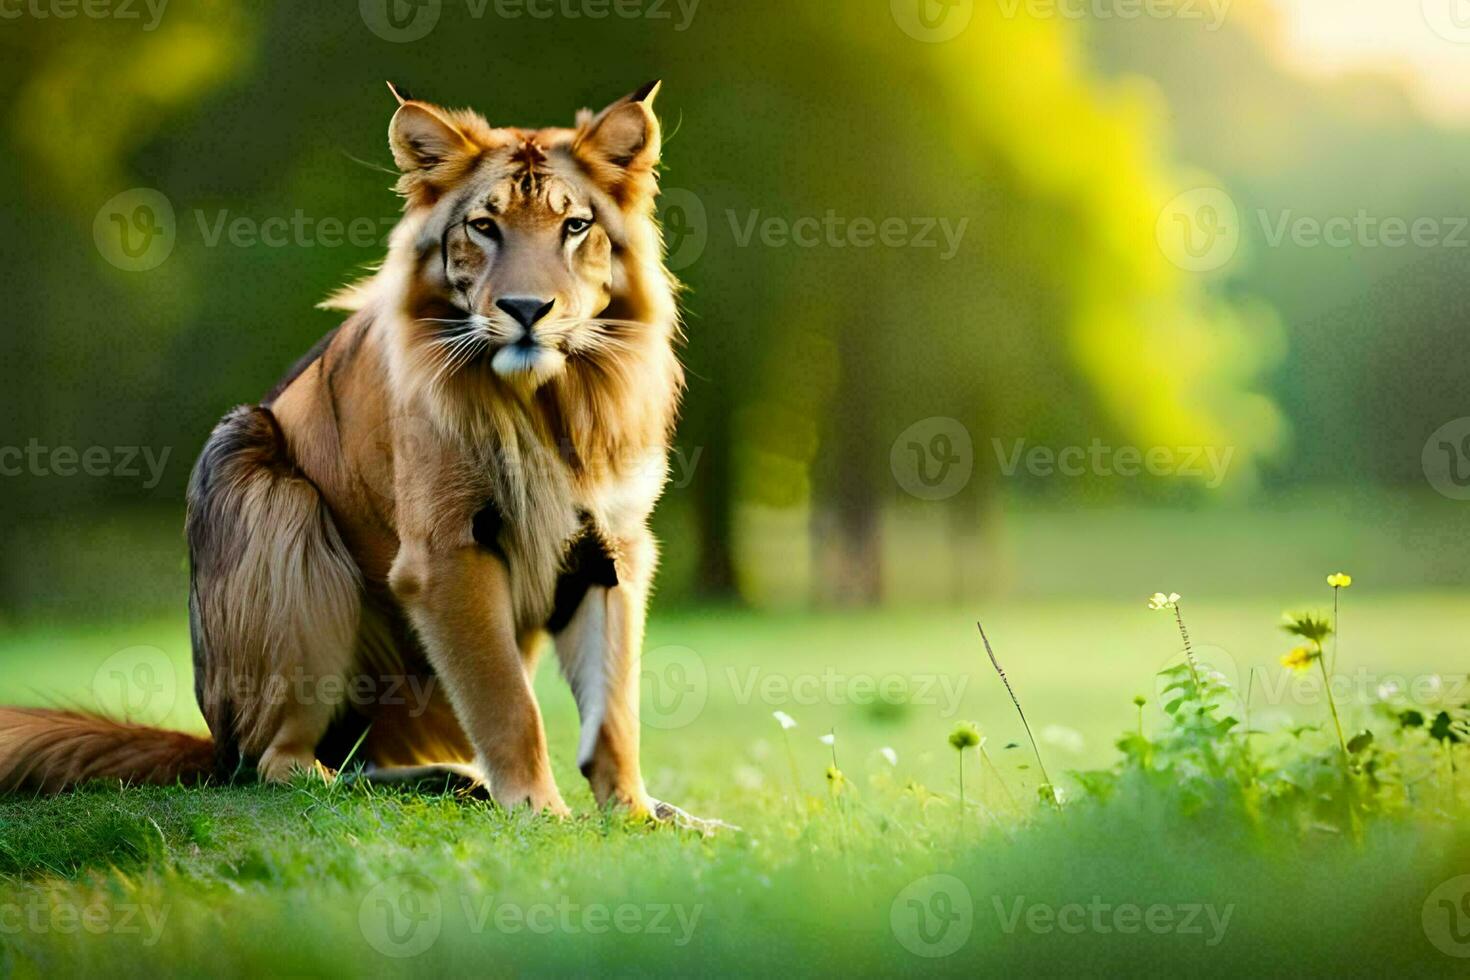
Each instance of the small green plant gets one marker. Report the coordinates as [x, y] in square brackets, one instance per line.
[1047, 790]
[964, 736]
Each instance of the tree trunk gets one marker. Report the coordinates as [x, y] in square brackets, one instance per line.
[714, 512]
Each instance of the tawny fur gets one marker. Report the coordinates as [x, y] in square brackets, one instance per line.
[406, 503]
[46, 751]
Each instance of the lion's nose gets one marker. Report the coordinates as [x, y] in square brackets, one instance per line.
[526, 310]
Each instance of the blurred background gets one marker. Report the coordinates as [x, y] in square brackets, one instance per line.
[988, 300]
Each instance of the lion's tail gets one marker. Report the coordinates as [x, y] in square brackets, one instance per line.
[47, 751]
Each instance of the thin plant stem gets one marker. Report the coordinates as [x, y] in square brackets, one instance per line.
[1250, 687]
[985, 756]
[795, 772]
[1332, 706]
[1336, 594]
[1188, 652]
[1051, 789]
[962, 785]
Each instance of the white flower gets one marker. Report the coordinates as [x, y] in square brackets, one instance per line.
[888, 753]
[1388, 690]
[828, 739]
[787, 722]
[1066, 739]
[1160, 601]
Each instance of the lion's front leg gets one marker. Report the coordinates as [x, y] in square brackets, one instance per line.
[601, 650]
[460, 603]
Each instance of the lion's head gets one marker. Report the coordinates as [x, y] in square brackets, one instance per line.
[522, 251]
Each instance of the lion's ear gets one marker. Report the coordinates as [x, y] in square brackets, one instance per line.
[625, 135]
[421, 138]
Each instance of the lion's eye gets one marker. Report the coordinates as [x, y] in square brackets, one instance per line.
[486, 227]
[576, 226]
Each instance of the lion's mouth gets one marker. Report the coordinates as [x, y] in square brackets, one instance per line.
[528, 360]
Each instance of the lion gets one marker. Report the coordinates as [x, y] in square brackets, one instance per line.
[467, 464]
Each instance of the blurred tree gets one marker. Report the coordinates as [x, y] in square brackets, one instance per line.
[1049, 313]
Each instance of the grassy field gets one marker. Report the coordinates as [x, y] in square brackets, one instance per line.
[890, 873]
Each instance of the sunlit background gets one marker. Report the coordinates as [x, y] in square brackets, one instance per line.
[1099, 248]
[1008, 310]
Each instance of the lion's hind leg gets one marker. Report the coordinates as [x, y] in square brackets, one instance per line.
[274, 603]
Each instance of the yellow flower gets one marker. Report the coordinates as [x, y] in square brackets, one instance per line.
[836, 780]
[1339, 580]
[1300, 658]
[964, 736]
[1160, 601]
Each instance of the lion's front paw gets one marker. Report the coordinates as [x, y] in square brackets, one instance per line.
[670, 814]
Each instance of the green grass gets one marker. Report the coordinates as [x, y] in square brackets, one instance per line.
[305, 880]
